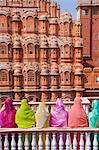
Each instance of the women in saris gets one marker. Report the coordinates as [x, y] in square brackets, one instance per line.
[7, 114]
[25, 117]
[59, 116]
[42, 116]
[93, 118]
[77, 117]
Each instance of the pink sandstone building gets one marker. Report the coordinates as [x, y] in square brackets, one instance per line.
[40, 51]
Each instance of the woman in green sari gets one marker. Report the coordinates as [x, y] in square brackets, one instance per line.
[93, 118]
[25, 117]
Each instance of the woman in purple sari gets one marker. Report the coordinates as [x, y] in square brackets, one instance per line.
[59, 116]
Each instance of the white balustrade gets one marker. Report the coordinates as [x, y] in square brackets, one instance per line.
[13, 142]
[75, 141]
[47, 142]
[34, 145]
[26, 143]
[6, 143]
[61, 142]
[95, 142]
[54, 143]
[81, 141]
[40, 142]
[20, 144]
[0, 141]
[68, 142]
[88, 142]
[13, 138]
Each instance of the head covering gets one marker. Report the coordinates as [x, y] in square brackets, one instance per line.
[77, 115]
[7, 115]
[42, 116]
[93, 116]
[25, 117]
[59, 116]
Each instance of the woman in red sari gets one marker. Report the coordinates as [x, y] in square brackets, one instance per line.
[77, 117]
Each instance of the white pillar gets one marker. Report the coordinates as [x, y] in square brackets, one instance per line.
[81, 141]
[95, 142]
[40, 142]
[54, 143]
[88, 142]
[61, 142]
[68, 142]
[75, 142]
[47, 142]
[6, 143]
[13, 142]
[0, 141]
[20, 144]
[34, 145]
[26, 144]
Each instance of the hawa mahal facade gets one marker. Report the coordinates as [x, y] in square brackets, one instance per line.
[41, 51]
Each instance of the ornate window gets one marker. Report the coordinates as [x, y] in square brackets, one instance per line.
[30, 48]
[3, 75]
[30, 76]
[3, 49]
[67, 76]
[30, 24]
[3, 22]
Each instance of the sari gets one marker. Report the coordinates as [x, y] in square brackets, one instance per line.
[7, 114]
[77, 118]
[42, 116]
[25, 117]
[57, 120]
[93, 118]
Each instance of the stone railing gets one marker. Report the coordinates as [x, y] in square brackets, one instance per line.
[48, 139]
[50, 105]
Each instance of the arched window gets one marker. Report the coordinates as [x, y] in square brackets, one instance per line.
[67, 76]
[3, 49]
[30, 24]
[30, 48]
[3, 75]
[3, 22]
[35, 25]
[30, 76]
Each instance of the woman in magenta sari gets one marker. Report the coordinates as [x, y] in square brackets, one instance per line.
[7, 115]
[57, 120]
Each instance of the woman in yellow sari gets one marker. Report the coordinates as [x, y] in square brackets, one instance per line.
[42, 119]
[42, 116]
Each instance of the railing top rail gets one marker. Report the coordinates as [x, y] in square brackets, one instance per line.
[49, 129]
[50, 103]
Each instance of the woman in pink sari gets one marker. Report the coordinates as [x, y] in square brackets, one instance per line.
[77, 117]
[7, 115]
[59, 118]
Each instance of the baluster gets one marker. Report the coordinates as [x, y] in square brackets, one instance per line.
[13, 142]
[52, 108]
[20, 145]
[95, 142]
[54, 143]
[61, 142]
[6, 143]
[47, 142]
[87, 109]
[88, 142]
[40, 142]
[81, 141]
[0, 141]
[68, 142]
[47, 108]
[67, 108]
[26, 144]
[75, 142]
[33, 141]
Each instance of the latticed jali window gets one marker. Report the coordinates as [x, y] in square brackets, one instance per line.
[30, 76]
[3, 75]
[2, 49]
